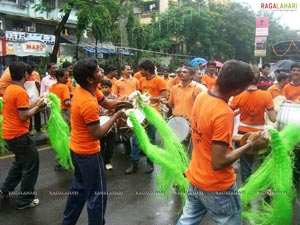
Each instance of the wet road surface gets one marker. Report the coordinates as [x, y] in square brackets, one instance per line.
[132, 200]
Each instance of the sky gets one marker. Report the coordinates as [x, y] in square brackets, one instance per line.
[288, 18]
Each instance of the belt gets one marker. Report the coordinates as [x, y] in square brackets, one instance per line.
[259, 127]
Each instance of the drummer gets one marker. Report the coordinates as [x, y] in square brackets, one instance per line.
[182, 95]
[155, 86]
[252, 105]
[123, 88]
[108, 141]
[292, 92]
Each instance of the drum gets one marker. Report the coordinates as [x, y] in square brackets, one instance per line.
[140, 117]
[288, 114]
[181, 127]
[103, 120]
[278, 100]
[122, 127]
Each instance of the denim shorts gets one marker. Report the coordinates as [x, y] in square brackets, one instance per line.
[223, 206]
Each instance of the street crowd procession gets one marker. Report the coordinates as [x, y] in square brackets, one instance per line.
[193, 129]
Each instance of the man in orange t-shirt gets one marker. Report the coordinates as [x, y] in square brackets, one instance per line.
[89, 182]
[210, 173]
[138, 75]
[209, 79]
[292, 90]
[61, 90]
[71, 82]
[155, 87]
[167, 79]
[126, 84]
[5, 80]
[252, 105]
[15, 131]
[183, 95]
[277, 89]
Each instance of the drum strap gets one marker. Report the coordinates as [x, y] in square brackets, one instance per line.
[259, 127]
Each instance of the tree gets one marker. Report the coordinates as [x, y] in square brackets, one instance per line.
[66, 7]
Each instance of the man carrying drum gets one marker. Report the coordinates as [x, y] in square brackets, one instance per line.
[292, 92]
[182, 97]
[155, 86]
[252, 105]
[123, 88]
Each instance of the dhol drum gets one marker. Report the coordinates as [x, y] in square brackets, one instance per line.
[103, 120]
[278, 100]
[140, 117]
[180, 126]
[122, 127]
[289, 112]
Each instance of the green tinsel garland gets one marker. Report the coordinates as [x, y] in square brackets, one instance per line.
[274, 178]
[2, 142]
[173, 159]
[59, 133]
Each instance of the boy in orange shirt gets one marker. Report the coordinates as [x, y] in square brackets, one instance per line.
[15, 131]
[89, 182]
[292, 90]
[108, 141]
[210, 173]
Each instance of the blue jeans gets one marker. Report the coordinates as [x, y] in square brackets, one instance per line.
[135, 149]
[224, 206]
[88, 185]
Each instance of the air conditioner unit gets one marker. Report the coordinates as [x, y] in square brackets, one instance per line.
[31, 29]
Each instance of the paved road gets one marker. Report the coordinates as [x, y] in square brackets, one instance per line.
[126, 206]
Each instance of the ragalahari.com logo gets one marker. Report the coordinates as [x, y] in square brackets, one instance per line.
[279, 6]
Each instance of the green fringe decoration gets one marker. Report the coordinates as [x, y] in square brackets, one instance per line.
[173, 159]
[274, 178]
[59, 133]
[2, 142]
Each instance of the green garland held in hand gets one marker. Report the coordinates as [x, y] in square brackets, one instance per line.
[173, 159]
[273, 180]
[59, 133]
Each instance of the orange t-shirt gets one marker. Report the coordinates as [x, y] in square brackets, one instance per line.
[70, 86]
[153, 87]
[209, 81]
[5, 80]
[34, 76]
[292, 92]
[138, 75]
[169, 83]
[176, 80]
[182, 99]
[252, 105]
[84, 112]
[15, 99]
[274, 91]
[124, 87]
[211, 122]
[113, 80]
[62, 92]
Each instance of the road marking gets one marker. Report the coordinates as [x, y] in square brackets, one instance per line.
[12, 155]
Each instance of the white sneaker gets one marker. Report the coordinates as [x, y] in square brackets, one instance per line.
[32, 204]
[108, 166]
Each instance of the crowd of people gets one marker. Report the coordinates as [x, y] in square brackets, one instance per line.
[89, 99]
